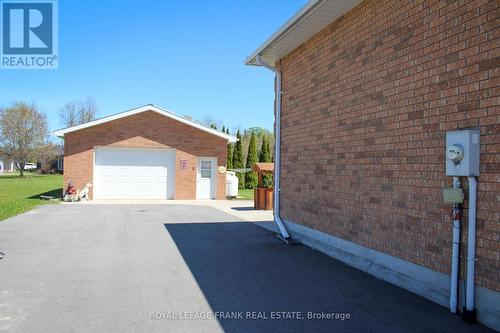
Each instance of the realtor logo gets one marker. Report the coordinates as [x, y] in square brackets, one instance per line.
[29, 34]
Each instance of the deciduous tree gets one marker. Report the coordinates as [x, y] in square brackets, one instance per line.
[45, 154]
[22, 129]
[78, 112]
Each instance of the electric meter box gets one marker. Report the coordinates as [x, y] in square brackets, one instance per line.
[462, 153]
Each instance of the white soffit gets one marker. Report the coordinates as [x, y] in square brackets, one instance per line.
[308, 21]
[150, 107]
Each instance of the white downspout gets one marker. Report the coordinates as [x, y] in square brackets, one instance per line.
[277, 149]
[469, 314]
[455, 252]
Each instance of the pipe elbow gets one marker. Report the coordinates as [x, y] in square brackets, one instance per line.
[259, 60]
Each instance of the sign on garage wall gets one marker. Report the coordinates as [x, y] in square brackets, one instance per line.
[183, 164]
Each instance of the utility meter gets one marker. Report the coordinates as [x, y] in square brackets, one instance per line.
[462, 153]
[455, 153]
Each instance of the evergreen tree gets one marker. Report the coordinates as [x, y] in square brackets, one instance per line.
[265, 151]
[251, 178]
[229, 156]
[229, 149]
[238, 160]
[265, 156]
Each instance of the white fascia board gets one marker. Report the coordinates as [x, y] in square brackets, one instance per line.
[280, 33]
[150, 107]
[308, 21]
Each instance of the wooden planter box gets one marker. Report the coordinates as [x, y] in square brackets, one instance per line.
[263, 198]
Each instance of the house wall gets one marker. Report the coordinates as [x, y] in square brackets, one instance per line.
[147, 129]
[365, 108]
[6, 165]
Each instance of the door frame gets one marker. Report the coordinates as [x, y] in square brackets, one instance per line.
[213, 180]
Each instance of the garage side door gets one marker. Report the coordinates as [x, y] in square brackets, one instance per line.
[134, 173]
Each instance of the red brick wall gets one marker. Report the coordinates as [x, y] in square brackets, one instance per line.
[366, 104]
[148, 129]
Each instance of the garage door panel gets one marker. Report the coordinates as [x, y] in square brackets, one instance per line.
[139, 173]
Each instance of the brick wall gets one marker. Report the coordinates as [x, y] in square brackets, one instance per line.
[366, 104]
[147, 129]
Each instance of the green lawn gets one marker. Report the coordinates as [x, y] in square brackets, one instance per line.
[18, 195]
[245, 194]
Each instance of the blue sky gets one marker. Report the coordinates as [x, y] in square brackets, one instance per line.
[186, 56]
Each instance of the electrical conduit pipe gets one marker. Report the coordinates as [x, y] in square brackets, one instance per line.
[469, 314]
[455, 253]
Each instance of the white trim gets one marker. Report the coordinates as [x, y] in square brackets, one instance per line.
[150, 107]
[281, 32]
[309, 20]
[93, 172]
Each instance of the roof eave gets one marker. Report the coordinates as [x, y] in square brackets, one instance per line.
[251, 59]
[302, 26]
[150, 107]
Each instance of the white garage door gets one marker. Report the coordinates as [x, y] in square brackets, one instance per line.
[134, 173]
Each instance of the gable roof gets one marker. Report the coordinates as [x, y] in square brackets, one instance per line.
[150, 107]
[263, 166]
[308, 21]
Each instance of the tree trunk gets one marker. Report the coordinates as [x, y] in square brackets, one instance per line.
[21, 168]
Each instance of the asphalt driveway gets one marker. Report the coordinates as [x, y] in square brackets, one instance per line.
[183, 268]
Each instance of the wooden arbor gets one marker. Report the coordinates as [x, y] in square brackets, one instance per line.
[263, 194]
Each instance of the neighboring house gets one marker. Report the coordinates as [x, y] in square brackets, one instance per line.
[146, 153]
[366, 91]
[53, 165]
[6, 165]
[60, 163]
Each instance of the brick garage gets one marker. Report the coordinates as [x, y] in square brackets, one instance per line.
[143, 130]
[366, 102]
